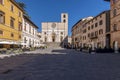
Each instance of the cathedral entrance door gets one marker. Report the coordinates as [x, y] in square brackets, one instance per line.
[53, 37]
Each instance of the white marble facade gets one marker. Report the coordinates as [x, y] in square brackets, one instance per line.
[55, 31]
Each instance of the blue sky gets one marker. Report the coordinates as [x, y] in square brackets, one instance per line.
[50, 10]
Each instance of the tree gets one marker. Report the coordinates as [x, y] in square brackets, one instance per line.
[23, 6]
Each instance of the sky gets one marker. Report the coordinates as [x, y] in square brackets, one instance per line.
[50, 10]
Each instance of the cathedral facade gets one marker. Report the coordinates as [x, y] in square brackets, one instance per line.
[56, 31]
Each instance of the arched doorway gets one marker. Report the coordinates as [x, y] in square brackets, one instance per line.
[53, 37]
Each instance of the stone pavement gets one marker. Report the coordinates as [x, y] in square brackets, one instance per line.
[2, 56]
[60, 64]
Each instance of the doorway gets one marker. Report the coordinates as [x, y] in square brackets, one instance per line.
[53, 37]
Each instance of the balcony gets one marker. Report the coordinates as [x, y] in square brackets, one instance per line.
[93, 37]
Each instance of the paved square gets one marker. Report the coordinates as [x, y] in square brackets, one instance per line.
[60, 64]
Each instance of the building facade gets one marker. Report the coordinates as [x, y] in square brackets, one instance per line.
[56, 31]
[10, 24]
[94, 32]
[115, 23]
[30, 36]
[77, 32]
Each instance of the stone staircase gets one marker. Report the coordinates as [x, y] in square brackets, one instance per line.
[53, 44]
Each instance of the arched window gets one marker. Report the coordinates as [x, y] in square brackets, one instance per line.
[64, 20]
[64, 16]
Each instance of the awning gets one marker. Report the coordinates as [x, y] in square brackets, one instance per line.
[23, 43]
[6, 42]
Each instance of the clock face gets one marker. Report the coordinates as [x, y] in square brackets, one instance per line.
[53, 25]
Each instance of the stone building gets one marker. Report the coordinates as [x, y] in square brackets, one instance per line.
[11, 15]
[55, 32]
[115, 23]
[30, 36]
[93, 32]
[77, 31]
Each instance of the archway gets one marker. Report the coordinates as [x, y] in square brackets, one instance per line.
[53, 37]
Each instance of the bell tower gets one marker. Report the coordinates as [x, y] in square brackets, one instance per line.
[64, 22]
[64, 18]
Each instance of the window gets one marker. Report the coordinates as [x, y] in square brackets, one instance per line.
[114, 12]
[12, 22]
[19, 36]
[20, 26]
[12, 8]
[115, 27]
[1, 1]
[33, 32]
[89, 28]
[92, 26]
[30, 29]
[12, 35]
[19, 13]
[96, 24]
[85, 37]
[64, 20]
[2, 17]
[101, 31]
[100, 22]
[25, 40]
[84, 31]
[64, 16]
[25, 26]
[1, 32]
[89, 35]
